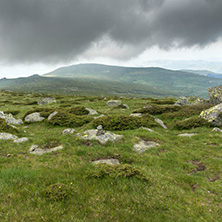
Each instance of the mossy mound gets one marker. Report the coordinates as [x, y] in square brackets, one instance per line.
[63, 118]
[44, 112]
[114, 171]
[58, 191]
[192, 122]
[158, 109]
[13, 112]
[164, 101]
[124, 122]
[4, 127]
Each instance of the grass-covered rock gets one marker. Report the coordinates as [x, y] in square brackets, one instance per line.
[5, 127]
[122, 122]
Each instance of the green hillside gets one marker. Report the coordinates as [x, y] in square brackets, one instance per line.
[81, 86]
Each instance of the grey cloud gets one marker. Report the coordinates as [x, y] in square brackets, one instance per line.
[60, 30]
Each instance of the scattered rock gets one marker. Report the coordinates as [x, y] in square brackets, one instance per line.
[46, 100]
[96, 117]
[100, 131]
[114, 103]
[125, 106]
[215, 95]
[143, 145]
[147, 106]
[182, 101]
[188, 134]
[37, 150]
[34, 117]
[215, 129]
[136, 114]
[7, 136]
[107, 161]
[52, 114]
[160, 122]
[92, 112]
[68, 131]
[10, 119]
[103, 138]
[21, 140]
[148, 129]
[213, 115]
[8, 155]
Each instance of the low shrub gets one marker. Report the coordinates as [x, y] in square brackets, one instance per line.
[58, 191]
[192, 122]
[78, 110]
[187, 111]
[158, 109]
[164, 101]
[124, 122]
[115, 171]
[63, 118]
[44, 112]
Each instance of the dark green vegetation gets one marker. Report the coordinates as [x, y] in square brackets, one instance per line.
[95, 79]
[178, 181]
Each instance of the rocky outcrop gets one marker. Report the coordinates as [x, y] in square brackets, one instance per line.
[182, 101]
[212, 115]
[37, 150]
[34, 117]
[10, 119]
[142, 146]
[199, 101]
[98, 134]
[46, 100]
[114, 103]
[107, 161]
[215, 95]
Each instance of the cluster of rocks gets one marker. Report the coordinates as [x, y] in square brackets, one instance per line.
[9, 136]
[10, 119]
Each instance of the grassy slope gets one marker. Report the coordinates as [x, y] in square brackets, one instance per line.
[81, 86]
[175, 192]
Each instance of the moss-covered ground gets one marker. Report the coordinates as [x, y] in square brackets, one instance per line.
[183, 176]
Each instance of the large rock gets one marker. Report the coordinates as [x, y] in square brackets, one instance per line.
[114, 103]
[34, 117]
[46, 100]
[213, 115]
[182, 101]
[37, 150]
[142, 146]
[10, 119]
[7, 136]
[215, 95]
[99, 135]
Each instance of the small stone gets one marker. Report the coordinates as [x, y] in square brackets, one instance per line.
[92, 112]
[68, 131]
[52, 114]
[96, 117]
[126, 106]
[107, 161]
[99, 130]
[216, 129]
[188, 134]
[160, 122]
[136, 114]
[148, 129]
[8, 155]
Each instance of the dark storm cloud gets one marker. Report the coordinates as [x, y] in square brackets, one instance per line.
[60, 30]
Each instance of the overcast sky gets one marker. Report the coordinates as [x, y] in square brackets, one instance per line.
[37, 36]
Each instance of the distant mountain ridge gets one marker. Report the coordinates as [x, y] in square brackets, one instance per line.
[98, 79]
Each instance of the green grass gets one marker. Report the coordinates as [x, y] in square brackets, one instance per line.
[176, 187]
